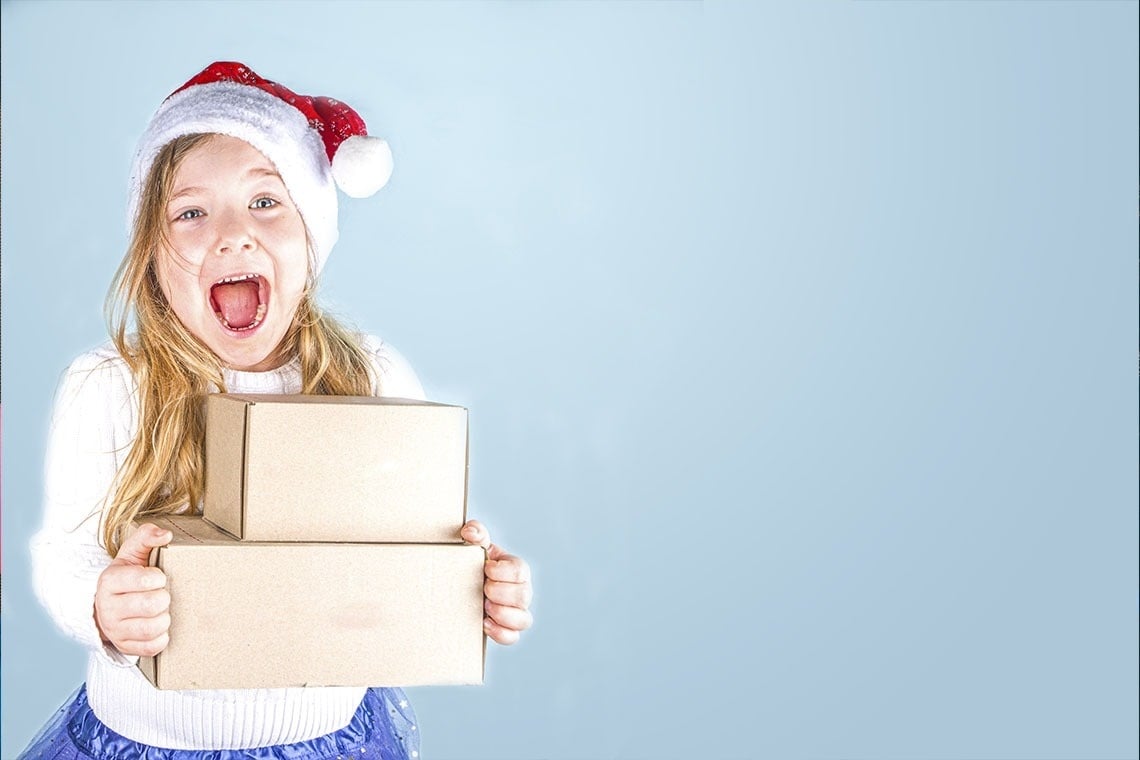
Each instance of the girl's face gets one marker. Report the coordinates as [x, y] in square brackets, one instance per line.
[237, 262]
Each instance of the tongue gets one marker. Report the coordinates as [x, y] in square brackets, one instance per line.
[237, 301]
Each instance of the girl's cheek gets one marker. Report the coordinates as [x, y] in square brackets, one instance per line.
[188, 243]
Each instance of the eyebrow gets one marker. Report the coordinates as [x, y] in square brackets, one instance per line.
[256, 172]
[263, 171]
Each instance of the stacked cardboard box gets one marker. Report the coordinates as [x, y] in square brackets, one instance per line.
[328, 553]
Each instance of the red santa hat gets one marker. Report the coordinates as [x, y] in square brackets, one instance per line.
[316, 143]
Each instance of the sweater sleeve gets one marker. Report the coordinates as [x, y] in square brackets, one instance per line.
[88, 440]
[395, 376]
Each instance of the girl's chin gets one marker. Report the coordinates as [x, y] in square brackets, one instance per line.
[252, 353]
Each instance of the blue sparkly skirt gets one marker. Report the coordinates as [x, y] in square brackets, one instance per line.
[383, 728]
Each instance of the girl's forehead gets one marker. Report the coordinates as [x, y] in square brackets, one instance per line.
[222, 158]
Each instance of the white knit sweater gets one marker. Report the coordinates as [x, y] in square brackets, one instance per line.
[93, 425]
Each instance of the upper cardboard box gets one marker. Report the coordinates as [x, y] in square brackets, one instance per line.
[273, 615]
[335, 468]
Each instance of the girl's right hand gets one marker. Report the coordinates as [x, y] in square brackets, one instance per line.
[132, 607]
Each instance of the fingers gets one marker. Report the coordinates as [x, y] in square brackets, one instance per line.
[505, 567]
[140, 604]
[138, 615]
[507, 604]
[496, 552]
[144, 629]
[512, 618]
[510, 594]
[498, 633]
[140, 636]
[144, 648]
[506, 588]
[136, 548]
[132, 607]
[136, 622]
[500, 565]
[122, 579]
[135, 635]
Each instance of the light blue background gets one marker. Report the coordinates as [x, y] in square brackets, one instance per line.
[800, 343]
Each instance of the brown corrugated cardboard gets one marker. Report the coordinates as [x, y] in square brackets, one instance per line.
[268, 615]
[335, 468]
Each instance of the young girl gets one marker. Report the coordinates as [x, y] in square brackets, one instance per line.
[234, 211]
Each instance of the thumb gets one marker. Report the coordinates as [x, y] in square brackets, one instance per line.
[474, 532]
[136, 549]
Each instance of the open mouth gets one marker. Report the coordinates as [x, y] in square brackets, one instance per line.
[240, 301]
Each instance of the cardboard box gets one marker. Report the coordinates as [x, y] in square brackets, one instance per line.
[268, 615]
[335, 468]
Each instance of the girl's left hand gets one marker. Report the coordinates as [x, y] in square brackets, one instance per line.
[506, 586]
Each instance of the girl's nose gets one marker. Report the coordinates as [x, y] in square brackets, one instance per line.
[243, 245]
[235, 236]
[236, 244]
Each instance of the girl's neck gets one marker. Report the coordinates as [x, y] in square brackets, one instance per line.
[281, 379]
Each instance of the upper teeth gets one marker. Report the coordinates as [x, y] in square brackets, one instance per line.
[236, 278]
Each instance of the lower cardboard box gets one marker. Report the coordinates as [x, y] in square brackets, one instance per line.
[273, 615]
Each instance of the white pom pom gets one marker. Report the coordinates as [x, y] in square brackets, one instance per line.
[362, 165]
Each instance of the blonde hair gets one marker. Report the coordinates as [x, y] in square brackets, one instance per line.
[173, 370]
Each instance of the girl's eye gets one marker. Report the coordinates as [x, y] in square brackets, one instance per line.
[192, 213]
[265, 202]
